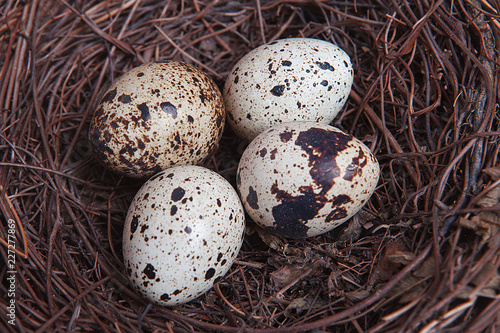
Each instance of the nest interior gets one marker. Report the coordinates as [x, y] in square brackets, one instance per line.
[422, 255]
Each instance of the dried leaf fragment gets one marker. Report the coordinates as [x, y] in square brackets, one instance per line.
[413, 284]
[299, 305]
[493, 172]
[486, 224]
[489, 288]
[286, 275]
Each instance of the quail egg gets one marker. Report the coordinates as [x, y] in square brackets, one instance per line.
[156, 116]
[293, 79]
[301, 179]
[183, 230]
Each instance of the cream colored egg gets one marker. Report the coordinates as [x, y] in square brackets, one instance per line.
[301, 179]
[293, 79]
[183, 230]
[156, 116]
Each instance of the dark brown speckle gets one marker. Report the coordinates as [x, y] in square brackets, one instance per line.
[109, 97]
[169, 108]
[278, 90]
[209, 274]
[144, 111]
[252, 199]
[124, 98]
[178, 193]
[149, 271]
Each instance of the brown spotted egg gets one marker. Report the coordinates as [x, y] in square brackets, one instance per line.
[155, 116]
[301, 179]
[183, 230]
[293, 79]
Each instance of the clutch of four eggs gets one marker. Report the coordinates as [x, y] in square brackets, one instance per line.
[298, 177]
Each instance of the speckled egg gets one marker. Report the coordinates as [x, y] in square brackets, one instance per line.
[301, 179]
[156, 116]
[183, 230]
[293, 79]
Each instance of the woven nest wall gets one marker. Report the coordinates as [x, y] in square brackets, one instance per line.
[422, 255]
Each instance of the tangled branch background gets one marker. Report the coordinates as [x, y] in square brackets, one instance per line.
[423, 254]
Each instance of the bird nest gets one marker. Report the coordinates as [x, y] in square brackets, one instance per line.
[422, 255]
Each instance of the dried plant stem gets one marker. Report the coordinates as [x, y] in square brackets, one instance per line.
[392, 141]
[424, 99]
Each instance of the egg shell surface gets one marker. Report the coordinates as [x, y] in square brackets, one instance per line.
[293, 79]
[302, 179]
[183, 230]
[156, 116]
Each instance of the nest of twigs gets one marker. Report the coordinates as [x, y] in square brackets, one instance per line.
[422, 255]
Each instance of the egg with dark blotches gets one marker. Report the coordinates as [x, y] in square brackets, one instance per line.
[293, 79]
[182, 233]
[302, 179]
[155, 116]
